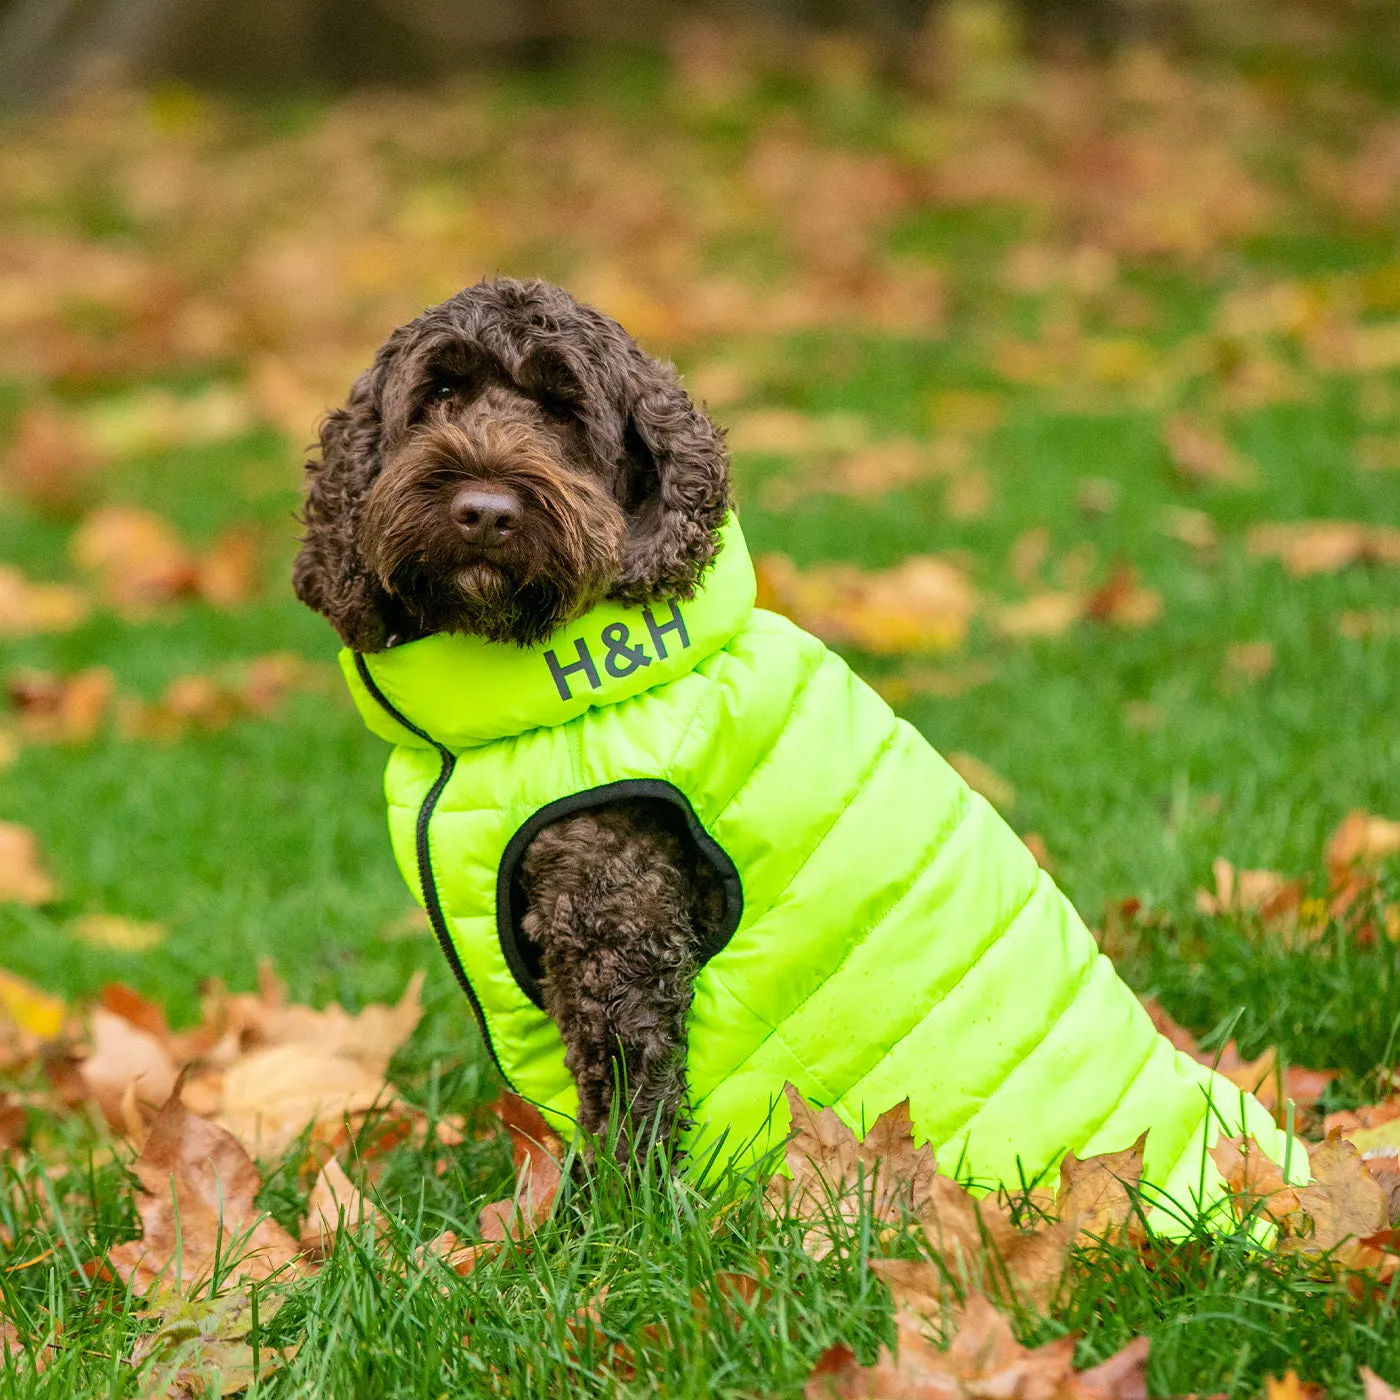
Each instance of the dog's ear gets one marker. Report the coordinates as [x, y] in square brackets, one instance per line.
[330, 574]
[678, 488]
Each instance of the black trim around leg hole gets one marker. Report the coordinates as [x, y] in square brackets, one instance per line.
[522, 966]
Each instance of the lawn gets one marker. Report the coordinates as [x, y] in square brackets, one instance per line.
[1079, 336]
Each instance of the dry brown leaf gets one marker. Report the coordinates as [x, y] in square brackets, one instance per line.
[27, 608]
[982, 778]
[1374, 1387]
[538, 1153]
[23, 879]
[126, 1061]
[198, 1209]
[226, 575]
[921, 605]
[1096, 1196]
[455, 1254]
[1361, 839]
[1047, 614]
[1123, 601]
[271, 1095]
[65, 709]
[984, 1361]
[135, 556]
[1254, 1178]
[833, 1175]
[51, 461]
[1343, 1202]
[1307, 547]
[1201, 454]
[1249, 661]
[1274, 898]
[335, 1204]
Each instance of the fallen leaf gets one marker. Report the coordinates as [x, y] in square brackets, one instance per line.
[1254, 1179]
[23, 879]
[1308, 547]
[1046, 614]
[538, 1153]
[135, 556]
[1343, 1201]
[51, 461]
[1123, 601]
[1201, 454]
[27, 1009]
[126, 1060]
[1097, 1196]
[984, 1361]
[456, 1254]
[199, 1339]
[64, 709]
[117, 933]
[982, 778]
[1374, 1387]
[1291, 1388]
[334, 1204]
[198, 1211]
[924, 604]
[1361, 839]
[1250, 661]
[834, 1177]
[1273, 898]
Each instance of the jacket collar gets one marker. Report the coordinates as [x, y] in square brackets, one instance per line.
[458, 692]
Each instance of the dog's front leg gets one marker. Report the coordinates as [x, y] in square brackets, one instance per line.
[609, 903]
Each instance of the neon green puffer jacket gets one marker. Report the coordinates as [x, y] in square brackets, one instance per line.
[887, 933]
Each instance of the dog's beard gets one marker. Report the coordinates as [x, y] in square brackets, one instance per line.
[564, 559]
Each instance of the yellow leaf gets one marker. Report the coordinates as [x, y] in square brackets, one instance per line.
[30, 1009]
[116, 933]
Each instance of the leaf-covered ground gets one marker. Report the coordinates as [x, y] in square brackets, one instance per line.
[1065, 399]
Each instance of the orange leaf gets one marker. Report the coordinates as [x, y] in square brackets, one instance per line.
[23, 879]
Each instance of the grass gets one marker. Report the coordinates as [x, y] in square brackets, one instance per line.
[1137, 755]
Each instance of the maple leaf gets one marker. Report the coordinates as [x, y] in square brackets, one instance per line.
[983, 1361]
[66, 709]
[834, 1177]
[198, 1211]
[1274, 898]
[1374, 1387]
[537, 1153]
[1254, 1179]
[1097, 1195]
[23, 879]
[1343, 1202]
[28, 1016]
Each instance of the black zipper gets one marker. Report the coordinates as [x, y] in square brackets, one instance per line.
[431, 902]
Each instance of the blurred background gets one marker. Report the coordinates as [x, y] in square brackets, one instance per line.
[1057, 341]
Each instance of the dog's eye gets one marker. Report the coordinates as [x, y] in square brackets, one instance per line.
[442, 390]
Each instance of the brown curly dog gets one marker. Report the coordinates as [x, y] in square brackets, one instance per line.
[511, 459]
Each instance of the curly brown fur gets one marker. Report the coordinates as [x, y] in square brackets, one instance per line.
[616, 485]
[606, 429]
[619, 903]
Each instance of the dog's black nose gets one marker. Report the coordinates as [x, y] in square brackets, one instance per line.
[486, 515]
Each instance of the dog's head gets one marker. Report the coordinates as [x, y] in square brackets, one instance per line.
[509, 460]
